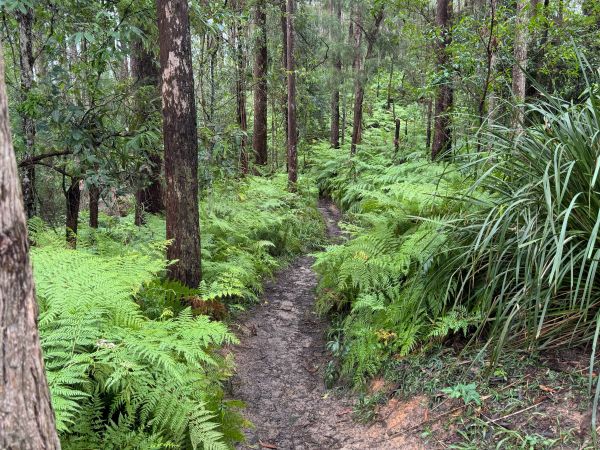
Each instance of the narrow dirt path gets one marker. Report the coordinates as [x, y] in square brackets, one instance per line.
[279, 370]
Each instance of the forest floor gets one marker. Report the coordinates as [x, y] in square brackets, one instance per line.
[280, 362]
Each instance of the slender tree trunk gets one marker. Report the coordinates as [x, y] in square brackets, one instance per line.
[337, 77]
[284, 63]
[519, 84]
[73, 201]
[180, 140]
[259, 137]
[94, 192]
[442, 133]
[358, 89]
[26, 60]
[397, 136]
[149, 196]
[292, 151]
[361, 72]
[26, 418]
[240, 91]
[429, 117]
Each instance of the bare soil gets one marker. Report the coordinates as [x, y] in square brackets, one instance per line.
[280, 362]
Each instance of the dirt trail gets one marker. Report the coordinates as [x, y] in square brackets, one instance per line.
[280, 363]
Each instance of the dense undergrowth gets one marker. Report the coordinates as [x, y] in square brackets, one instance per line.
[501, 245]
[129, 365]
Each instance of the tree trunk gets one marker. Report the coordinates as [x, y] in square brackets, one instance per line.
[292, 151]
[520, 55]
[397, 136]
[73, 201]
[26, 418]
[240, 88]
[284, 63]
[94, 192]
[149, 196]
[358, 89]
[429, 117]
[442, 133]
[337, 77]
[26, 60]
[259, 137]
[180, 141]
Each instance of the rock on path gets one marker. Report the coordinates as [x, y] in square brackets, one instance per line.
[279, 370]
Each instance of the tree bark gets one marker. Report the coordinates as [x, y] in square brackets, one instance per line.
[442, 133]
[240, 91]
[292, 151]
[149, 196]
[26, 416]
[361, 72]
[259, 136]
[429, 117]
[397, 136]
[180, 140]
[94, 192]
[26, 61]
[284, 64]
[519, 84]
[73, 201]
[337, 76]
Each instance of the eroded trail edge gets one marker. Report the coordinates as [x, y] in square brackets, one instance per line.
[280, 363]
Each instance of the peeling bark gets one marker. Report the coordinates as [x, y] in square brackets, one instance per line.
[26, 416]
[180, 140]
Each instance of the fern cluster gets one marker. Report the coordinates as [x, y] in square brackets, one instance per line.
[129, 366]
[375, 282]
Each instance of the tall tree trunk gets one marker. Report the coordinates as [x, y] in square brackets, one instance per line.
[73, 201]
[26, 418]
[397, 136]
[519, 85]
[259, 137]
[442, 134]
[94, 192]
[26, 60]
[284, 63]
[337, 77]
[240, 92]
[361, 72]
[358, 89]
[292, 151]
[180, 140]
[149, 196]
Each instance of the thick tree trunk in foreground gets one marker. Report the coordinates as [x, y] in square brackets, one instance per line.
[149, 197]
[442, 133]
[337, 77]
[26, 416]
[292, 151]
[259, 137]
[73, 201]
[180, 140]
[26, 61]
